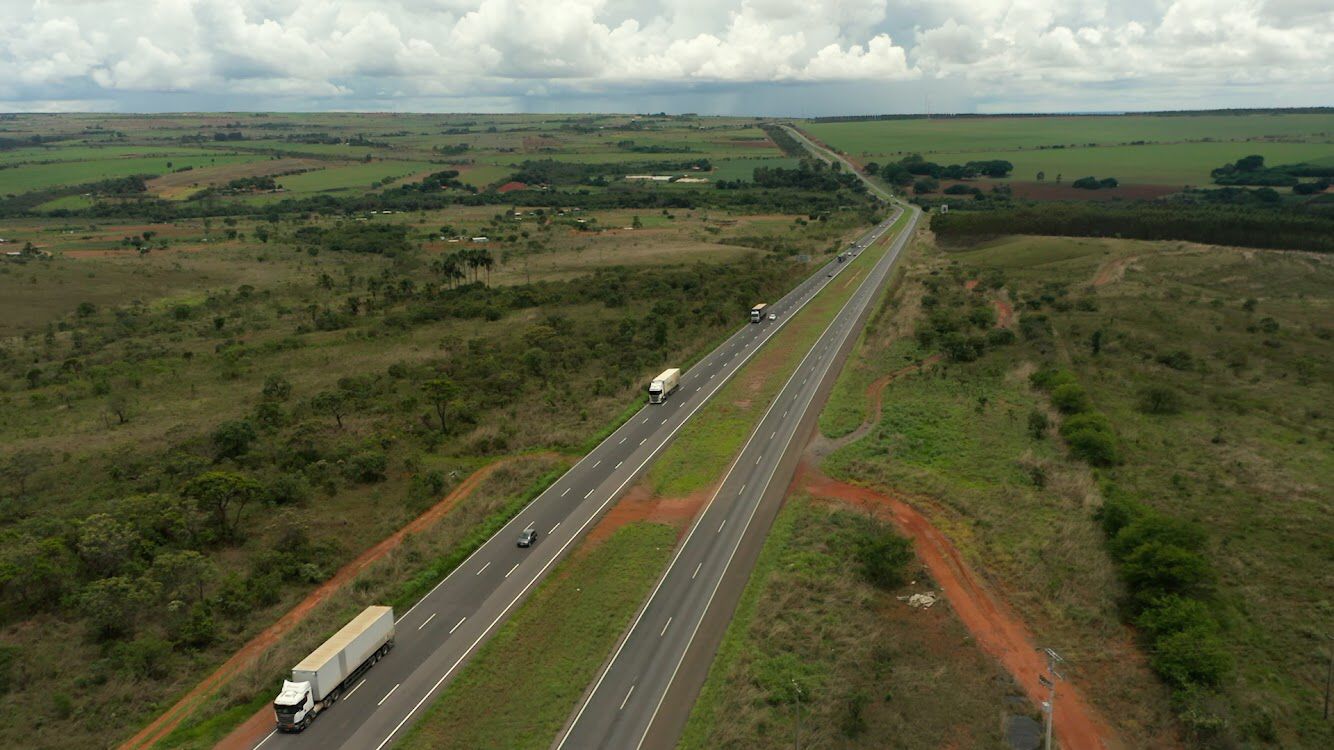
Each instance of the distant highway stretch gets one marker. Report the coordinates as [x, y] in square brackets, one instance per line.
[642, 697]
[438, 634]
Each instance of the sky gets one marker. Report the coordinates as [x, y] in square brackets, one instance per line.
[743, 57]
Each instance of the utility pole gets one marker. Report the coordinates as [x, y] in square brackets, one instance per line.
[1049, 705]
[797, 688]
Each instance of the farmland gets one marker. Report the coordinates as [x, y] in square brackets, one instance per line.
[1153, 149]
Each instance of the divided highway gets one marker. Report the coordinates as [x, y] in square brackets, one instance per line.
[640, 698]
[446, 626]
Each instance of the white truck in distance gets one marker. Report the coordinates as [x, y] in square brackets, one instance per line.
[663, 385]
[757, 312]
[323, 677]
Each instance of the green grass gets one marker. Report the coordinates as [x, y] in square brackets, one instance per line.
[1010, 133]
[25, 178]
[517, 691]
[708, 442]
[807, 617]
[356, 176]
[744, 169]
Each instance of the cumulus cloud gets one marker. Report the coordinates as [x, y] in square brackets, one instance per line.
[353, 50]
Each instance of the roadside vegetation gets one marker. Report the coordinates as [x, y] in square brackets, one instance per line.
[1139, 468]
[820, 649]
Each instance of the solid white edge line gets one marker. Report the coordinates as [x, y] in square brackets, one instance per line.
[771, 332]
[893, 254]
[691, 534]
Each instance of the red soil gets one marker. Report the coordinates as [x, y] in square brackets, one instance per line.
[257, 726]
[638, 505]
[970, 284]
[1112, 270]
[999, 631]
[1004, 313]
[510, 187]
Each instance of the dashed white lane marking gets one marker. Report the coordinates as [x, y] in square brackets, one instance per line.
[353, 690]
[743, 489]
[511, 570]
[484, 567]
[456, 626]
[697, 567]
[622, 440]
[664, 627]
[424, 624]
[386, 695]
[641, 442]
[586, 494]
[757, 460]
[553, 529]
[566, 492]
[627, 698]
[599, 461]
[721, 525]
[618, 465]
[771, 436]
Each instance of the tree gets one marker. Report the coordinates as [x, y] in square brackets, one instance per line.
[277, 388]
[1160, 399]
[1037, 424]
[232, 439]
[1042, 176]
[1070, 398]
[183, 574]
[106, 545]
[441, 392]
[21, 465]
[637, 223]
[119, 405]
[223, 495]
[332, 403]
[114, 605]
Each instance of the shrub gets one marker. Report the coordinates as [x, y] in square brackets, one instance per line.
[1160, 399]
[1157, 569]
[1097, 448]
[1175, 614]
[1050, 378]
[883, 555]
[1000, 337]
[1191, 657]
[1038, 424]
[961, 348]
[367, 466]
[1070, 398]
[233, 439]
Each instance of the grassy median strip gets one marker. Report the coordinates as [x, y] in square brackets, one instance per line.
[521, 686]
[708, 442]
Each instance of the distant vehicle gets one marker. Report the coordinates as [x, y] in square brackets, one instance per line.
[322, 678]
[757, 312]
[664, 385]
[528, 538]
[773, 316]
[842, 257]
[830, 274]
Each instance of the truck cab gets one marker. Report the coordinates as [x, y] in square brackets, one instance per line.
[294, 707]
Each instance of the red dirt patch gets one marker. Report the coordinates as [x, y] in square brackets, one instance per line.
[970, 284]
[999, 631]
[510, 187]
[164, 724]
[1050, 191]
[639, 505]
[1004, 313]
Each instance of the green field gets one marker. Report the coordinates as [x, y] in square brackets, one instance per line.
[1175, 150]
[21, 179]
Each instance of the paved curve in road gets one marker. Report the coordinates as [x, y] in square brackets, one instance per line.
[625, 701]
[446, 626]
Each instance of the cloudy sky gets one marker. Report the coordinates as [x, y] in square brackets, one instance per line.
[779, 57]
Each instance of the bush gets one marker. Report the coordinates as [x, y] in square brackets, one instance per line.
[1037, 424]
[1175, 614]
[883, 555]
[1097, 448]
[1160, 399]
[368, 466]
[1157, 569]
[1050, 378]
[1191, 657]
[233, 439]
[1000, 337]
[1070, 398]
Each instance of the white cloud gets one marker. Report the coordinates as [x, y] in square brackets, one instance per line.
[349, 51]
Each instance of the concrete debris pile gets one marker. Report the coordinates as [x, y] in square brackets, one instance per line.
[920, 601]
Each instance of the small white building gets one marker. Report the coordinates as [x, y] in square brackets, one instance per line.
[481, 239]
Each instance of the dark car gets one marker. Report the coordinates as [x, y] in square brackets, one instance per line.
[528, 538]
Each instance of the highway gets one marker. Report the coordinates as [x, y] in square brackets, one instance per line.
[642, 696]
[438, 634]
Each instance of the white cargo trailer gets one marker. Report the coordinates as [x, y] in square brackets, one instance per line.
[323, 677]
[663, 385]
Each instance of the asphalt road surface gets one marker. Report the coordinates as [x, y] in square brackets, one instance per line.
[438, 634]
[624, 708]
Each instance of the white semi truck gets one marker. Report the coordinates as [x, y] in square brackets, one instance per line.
[663, 385]
[757, 312]
[323, 677]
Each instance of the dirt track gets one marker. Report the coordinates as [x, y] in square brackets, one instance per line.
[247, 654]
[997, 629]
